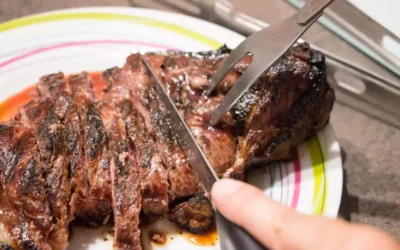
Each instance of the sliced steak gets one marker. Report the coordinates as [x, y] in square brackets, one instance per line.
[173, 156]
[154, 183]
[25, 218]
[126, 180]
[40, 116]
[92, 180]
[57, 89]
[67, 154]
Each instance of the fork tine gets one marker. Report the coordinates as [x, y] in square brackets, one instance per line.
[246, 79]
[229, 63]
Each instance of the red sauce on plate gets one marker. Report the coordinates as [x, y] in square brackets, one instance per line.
[207, 239]
[10, 106]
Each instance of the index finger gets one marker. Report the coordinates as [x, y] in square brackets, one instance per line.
[281, 227]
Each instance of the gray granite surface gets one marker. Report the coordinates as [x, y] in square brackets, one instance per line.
[370, 149]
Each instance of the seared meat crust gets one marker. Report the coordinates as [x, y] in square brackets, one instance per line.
[25, 218]
[70, 155]
[40, 116]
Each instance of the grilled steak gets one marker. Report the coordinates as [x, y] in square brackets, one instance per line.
[81, 157]
[289, 103]
[56, 88]
[41, 118]
[154, 185]
[94, 203]
[25, 219]
[125, 176]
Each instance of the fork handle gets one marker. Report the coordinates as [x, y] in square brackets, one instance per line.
[311, 9]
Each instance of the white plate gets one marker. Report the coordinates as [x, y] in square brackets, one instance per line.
[94, 39]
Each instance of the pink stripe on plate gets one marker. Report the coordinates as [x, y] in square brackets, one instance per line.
[80, 43]
[297, 180]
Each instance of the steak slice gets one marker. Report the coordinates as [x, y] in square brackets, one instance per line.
[92, 179]
[185, 76]
[183, 181]
[56, 88]
[40, 116]
[154, 185]
[25, 218]
[126, 180]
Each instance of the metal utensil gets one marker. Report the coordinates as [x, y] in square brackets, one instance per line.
[362, 32]
[266, 46]
[376, 92]
[232, 237]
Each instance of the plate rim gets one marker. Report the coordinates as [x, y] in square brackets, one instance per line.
[327, 130]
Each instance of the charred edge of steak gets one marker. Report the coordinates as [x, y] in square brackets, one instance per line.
[55, 87]
[299, 59]
[40, 116]
[195, 215]
[209, 54]
[125, 178]
[4, 246]
[289, 103]
[26, 212]
[110, 75]
[130, 93]
[93, 202]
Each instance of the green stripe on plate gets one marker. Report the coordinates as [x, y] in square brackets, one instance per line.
[317, 159]
[30, 20]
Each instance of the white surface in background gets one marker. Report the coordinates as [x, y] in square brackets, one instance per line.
[385, 12]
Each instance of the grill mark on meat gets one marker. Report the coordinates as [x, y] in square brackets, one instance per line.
[25, 219]
[4, 246]
[288, 104]
[197, 109]
[55, 87]
[181, 178]
[154, 185]
[93, 188]
[126, 180]
[40, 116]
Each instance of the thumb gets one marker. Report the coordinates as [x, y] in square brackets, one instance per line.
[280, 227]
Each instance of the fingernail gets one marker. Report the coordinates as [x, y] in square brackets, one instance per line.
[226, 187]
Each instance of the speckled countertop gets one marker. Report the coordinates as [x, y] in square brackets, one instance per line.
[370, 149]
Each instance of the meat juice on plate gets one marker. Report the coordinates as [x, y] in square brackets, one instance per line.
[10, 106]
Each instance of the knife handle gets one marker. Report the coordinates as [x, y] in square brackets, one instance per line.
[233, 237]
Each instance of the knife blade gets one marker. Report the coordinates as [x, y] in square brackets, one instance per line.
[192, 150]
[232, 237]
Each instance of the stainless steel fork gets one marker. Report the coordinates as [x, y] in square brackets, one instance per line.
[266, 47]
[374, 94]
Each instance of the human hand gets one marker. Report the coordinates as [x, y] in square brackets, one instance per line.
[281, 228]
